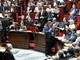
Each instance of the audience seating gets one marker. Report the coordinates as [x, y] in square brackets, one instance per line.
[78, 5]
[68, 4]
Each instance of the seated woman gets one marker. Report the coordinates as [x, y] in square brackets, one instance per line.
[72, 25]
[29, 21]
[22, 27]
[13, 26]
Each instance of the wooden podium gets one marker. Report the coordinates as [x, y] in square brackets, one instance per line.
[19, 39]
[40, 42]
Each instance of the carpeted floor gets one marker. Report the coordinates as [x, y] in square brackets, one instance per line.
[24, 54]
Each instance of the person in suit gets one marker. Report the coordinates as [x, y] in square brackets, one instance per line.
[56, 11]
[74, 9]
[43, 15]
[13, 9]
[41, 3]
[17, 3]
[29, 8]
[37, 7]
[64, 23]
[8, 54]
[28, 15]
[55, 22]
[48, 45]
[22, 19]
[13, 26]
[73, 36]
[5, 24]
[76, 44]
[55, 2]
[3, 9]
[63, 4]
[46, 2]
[72, 17]
[49, 8]
[67, 34]
[32, 2]
[1, 3]
[54, 30]
[1, 25]
[29, 21]
[50, 15]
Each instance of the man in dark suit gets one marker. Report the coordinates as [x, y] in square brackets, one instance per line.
[55, 2]
[46, 3]
[17, 3]
[7, 54]
[43, 15]
[73, 36]
[29, 21]
[5, 24]
[72, 17]
[3, 9]
[64, 23]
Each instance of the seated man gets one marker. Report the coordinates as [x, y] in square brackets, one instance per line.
[7, 54]
[29, 21]
[72, 17]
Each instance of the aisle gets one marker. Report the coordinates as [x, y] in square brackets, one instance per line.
[24, 54]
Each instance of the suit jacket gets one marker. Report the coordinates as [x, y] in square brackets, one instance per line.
[17, 3]
[64, 24]
[47, 3]
[15, 28]
[54, 32]
[72, 17]
[75, 11]
[50, 16]
[5, 22]
[29, 22]
[73, 37]
[15, 10]
[3, 9]
[57, 24]
[32, 3]
[57, 2]
[20, 22]
[47, 34]
[67, 35]
[1, 4]
[30, 9]
[8, 55]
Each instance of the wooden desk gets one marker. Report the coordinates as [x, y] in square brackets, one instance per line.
[19, 39]
[0, 37]
[40, 42]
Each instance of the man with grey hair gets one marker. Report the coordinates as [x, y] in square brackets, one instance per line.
[7, 54]
[54, 21]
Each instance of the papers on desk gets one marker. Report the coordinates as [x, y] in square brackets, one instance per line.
[41, 33]
[60, 38]
[28, 31]
[1, 16]
[68, 45]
